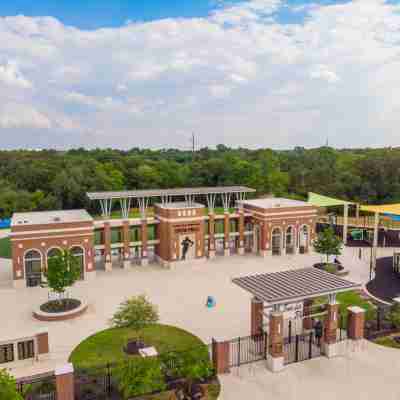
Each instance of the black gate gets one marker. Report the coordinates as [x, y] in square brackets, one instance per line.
[301, 347]
[38, 387]
[249, 349]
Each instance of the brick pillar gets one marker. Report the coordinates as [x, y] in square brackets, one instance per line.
[107, 247]
[307, 310]
[276, 360]
[65, 382]
[331, 323]
[355, 323]
[257, 307]
[241, 232]
[221, 356]
[211, 235]
[126, 235]
[143, 236]
[42, 343]
[264, 245]
[227, 251]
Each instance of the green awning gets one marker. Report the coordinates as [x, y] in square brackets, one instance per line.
[325, 201]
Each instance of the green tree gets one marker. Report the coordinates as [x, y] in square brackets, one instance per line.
[63, 271]
[135, 313]
[140, 376]
[328, 243]
[8, 387]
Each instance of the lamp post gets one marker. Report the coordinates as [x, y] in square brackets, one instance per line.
[370, 264]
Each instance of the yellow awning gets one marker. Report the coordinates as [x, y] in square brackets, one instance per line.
[393, 209]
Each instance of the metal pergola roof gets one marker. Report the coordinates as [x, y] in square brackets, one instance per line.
[294, 285]
[169, 192]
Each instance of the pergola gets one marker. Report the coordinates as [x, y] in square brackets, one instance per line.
[276, 290]
[226, 193]
[294, 286]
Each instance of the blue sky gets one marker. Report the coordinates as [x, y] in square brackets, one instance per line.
[93, 14]
[253, 73]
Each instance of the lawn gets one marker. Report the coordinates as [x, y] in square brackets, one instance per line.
[387, 341]
[5, 248]
[107, 346]
[348, 299]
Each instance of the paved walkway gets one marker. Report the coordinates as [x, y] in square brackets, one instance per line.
[365, 372]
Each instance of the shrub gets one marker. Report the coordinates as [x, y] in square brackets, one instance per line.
[140, 376]
[394, 315]
[8, 388]
[135, 313]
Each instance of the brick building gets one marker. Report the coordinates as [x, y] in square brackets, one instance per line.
[183, 224]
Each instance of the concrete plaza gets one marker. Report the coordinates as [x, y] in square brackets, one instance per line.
[181, 295]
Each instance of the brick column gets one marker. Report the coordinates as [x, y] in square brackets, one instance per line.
[143, 236]
[257, 307]
[275, 361]
[307, 310]
[227, 251]
[355, 323]
[42, 343]
[241, 232]
[65, 382]
[330, 345]
[331, 323]
[221, 356]
[264, 246]
[211, 235]
[107, 247]
[126, 235]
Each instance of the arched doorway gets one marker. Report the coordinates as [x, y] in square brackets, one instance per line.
[33, 268]
[53, 252]
[303, 239]
[276, 242]
[79, 254]
[289, 240]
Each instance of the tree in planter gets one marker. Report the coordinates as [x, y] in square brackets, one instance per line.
[63, 270]
[135, 313]
[8, 387]
[328, 243]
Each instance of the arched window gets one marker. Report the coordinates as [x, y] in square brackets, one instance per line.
[79, 254]
[276, 241]
[33, 267]
[289, 240]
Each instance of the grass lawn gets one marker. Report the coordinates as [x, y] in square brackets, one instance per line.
[107, 346]
[387, 341]
[5, 248]
[348, 299]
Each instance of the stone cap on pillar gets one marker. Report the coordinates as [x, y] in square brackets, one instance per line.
[64, 369]
[42, 330]
[356, 309]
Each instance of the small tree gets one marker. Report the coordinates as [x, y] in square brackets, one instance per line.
[63, 271]
[328, 243]
[8, 387]
[135, 313]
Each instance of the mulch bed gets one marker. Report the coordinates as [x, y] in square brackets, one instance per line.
[59, 306]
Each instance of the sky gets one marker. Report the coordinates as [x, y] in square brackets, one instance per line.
[251, 73]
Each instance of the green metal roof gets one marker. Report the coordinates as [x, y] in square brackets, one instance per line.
[325, 201]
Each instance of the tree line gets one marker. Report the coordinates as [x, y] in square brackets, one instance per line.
[50, 179]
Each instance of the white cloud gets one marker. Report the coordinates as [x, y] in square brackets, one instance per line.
[22, 116]
[10, 75]
[239, 75]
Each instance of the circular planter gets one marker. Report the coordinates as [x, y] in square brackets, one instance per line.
[336, 269]
[60, 316]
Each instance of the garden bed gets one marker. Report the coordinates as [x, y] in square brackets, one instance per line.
[60, 306]
[333, 268]
[75, 309]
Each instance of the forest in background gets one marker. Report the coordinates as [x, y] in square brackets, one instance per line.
[50, 179]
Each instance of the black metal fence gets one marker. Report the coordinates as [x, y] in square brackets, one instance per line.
[245, 350]
[38, 387]
[301, 347]
[384, 321]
